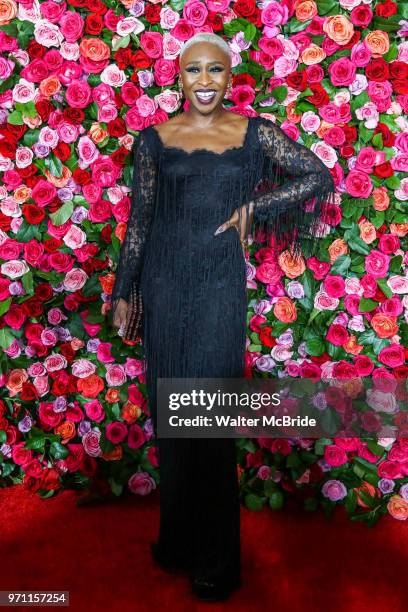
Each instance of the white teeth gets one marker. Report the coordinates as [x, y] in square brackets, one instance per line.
[207, 94]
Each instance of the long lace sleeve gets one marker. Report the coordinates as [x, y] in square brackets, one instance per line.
[128, 271]
[292, 212]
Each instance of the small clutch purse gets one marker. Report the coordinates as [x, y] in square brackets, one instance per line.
[134, 320]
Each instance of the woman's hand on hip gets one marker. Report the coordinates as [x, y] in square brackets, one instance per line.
[241, 220]
[120, 314]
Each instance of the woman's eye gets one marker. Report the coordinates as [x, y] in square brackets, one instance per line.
[214, 68]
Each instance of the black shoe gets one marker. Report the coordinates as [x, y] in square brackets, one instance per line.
[170, 566]
[209, 589]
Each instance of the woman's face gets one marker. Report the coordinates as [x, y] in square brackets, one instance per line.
[205, 71]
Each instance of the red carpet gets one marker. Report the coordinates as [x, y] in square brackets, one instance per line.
[291, 561]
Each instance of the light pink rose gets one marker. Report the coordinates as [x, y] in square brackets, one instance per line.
[23, 91]
[55, 362]
[169, 18]
[369, 114]
[129, 24]
[55, 316]
[75, 238]
[134, 367]
[323, 301]
[42, 385]
[87, 151]
[67, 132]
[168, 100]
[398, 284]
[75, 279]
[171, 46]
[107, 113]
[146, 105]
[112, 75]
[49, 337]
[82, 368]
[115, 375]
[14, 268]
[36, 369]
[47, 34]
[90, 441]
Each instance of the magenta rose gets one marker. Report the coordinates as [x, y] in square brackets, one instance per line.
[337, 334]
[342, 72]
[43, 193]
[334, 285]
[116, 432]
[358, 184]
[363, 364]
[392, 355]
[136, 436]
[377, 264]
[78, 94]
[72, 26]
[334, 455]
[104, 172]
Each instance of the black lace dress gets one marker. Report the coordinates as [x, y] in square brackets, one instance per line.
[192, 285]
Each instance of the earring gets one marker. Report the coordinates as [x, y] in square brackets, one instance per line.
[180, 86]
[229, 89]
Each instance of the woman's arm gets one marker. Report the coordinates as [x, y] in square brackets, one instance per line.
[144, 183]
[286, 212]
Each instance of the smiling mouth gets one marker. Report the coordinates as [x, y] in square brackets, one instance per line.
[205, 96]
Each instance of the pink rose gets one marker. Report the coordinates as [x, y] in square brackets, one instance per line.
[334, 285]
[141, 483]
[72, 26]
[334, 456]
[152, 44]
[268, 272]
[75, 279]
[115, 375]
[95, 411]
[78, 94]
[337, 334]
[398, 284]
[43, 193]
[363, 364]
[377, 264]
[323, 301]
[104, 172]
[358, 184]
[75, 238]
[392, 355]
[90, 441]
[319, 268]
[388, 243]
[164, 72]
[195, 13]
[342, 72]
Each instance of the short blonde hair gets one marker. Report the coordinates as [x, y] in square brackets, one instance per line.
[209, 37]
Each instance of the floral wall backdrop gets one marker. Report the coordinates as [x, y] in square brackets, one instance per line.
[78, 80]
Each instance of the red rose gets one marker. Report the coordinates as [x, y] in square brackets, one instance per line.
[74, 115]
[265, 336]
[398, 70]
[93, 24]
[386, 9]
[152, 12]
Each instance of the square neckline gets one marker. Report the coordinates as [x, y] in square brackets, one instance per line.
[201, 149]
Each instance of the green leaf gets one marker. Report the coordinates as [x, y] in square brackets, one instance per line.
[367, 305]
[15, 118]
[5, 305]
[121, 42]
[58, 450]
[62, 215]
[395, 264]
[54, 165]
[315, 347]
[280, 93]
[253, 502]
[382, 283]
[6, 338]
[341, 265]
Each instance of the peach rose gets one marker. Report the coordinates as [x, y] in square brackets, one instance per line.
[285, 310]
[384, 326]
[378, 42]
[22, 194]
[339, 29]
[366, 487]
[94, 49]
[130, 412]
[290, 265]
[97, 134]
[306, 10]
[66, 430]
[351, 346]
[313, 54]
[62, 180]
[113, 455]
[368, 233]
[398, 508]
[15, 380]
[8, 10]
[338, 247]
[399, 229]
[381, 200]
[50, 86]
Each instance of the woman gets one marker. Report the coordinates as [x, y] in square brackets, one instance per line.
[182, 267]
